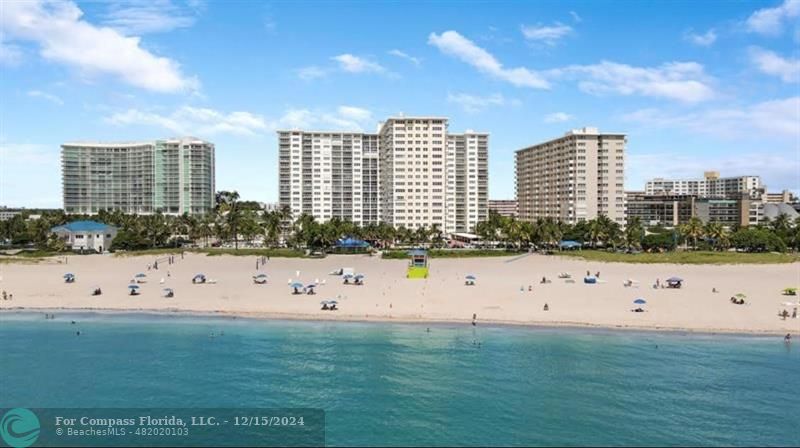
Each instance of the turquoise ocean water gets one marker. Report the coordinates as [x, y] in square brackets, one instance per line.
[392, 384]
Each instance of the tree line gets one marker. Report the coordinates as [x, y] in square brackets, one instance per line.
[237, 222]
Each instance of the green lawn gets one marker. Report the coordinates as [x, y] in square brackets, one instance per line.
[452, 253]
[699, 257]
[278, 253]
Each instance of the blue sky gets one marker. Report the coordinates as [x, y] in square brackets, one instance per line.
[695, 85]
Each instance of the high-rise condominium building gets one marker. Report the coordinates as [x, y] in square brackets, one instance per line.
[573, 178]
[710, 186]
[412, 173]
[172, 176]
[329, 174]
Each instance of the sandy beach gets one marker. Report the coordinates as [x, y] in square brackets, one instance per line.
[500, 294]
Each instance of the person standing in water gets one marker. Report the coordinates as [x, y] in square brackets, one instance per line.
[474, 319]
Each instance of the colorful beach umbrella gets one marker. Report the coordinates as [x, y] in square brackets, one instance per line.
[140, 275]
[640, 301]
[741, 296]
[296, 285]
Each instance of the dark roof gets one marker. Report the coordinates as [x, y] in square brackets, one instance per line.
[83, 226]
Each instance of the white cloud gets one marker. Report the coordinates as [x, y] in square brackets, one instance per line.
[681, 81]
[575, 17]
[458, 46]
[189, 120]
[354, 113]
[476, 103]
[558, 117]
[703, 40]
[147, 16]
[356, 64]
[10, 55]
[311, 72]
[201, 122]
[768, 119]
[550, 35]
[62, 35]
[403, 55]
[770, 21]
[348, 118]
[47, 96]
[773, 64]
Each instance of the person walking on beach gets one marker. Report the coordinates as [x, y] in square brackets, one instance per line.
[5, 296]
[794, 313]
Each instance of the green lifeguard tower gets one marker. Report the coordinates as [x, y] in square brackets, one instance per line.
[418, 265]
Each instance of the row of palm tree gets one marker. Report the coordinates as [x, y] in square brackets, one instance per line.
[233, 222]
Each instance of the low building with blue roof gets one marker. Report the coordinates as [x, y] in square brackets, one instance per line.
[86, 235]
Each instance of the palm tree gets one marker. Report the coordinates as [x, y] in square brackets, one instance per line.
[272, 224]
[692, 229]
[228, 207]
[717, 232]
[781, 223]
[634, 232]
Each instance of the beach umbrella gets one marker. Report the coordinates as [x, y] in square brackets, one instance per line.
[140, 275]
[167, 291]
[640, 301]
[296, 285]
[471, 277]
[260, 276]
[133, 287]
[347, 276]
[360, 276]
[68, 275]
[741, 296]
[198, 276]
[332, 302]
[674, 279]
[324, 302]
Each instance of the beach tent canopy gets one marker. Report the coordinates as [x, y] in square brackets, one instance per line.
[590, 279]
[569, 244]
[640, 301]
[351, 243]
